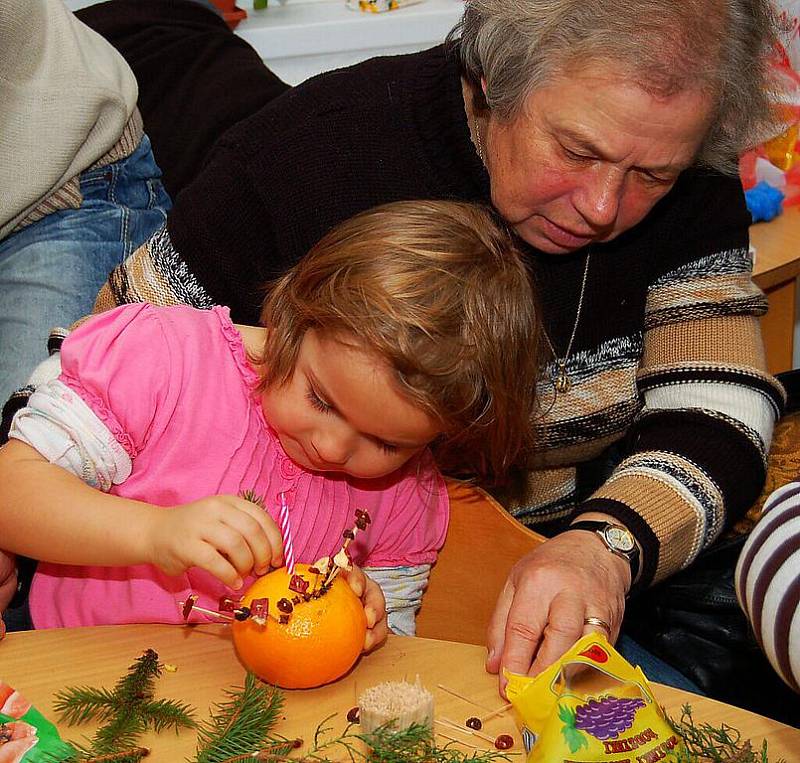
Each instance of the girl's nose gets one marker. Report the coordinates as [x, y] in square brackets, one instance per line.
[332, 449]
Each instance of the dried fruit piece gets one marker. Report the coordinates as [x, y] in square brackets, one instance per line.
[504, 742]
[353, 714]
[474, 723]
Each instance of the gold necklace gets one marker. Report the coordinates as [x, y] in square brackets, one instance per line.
[559, 375]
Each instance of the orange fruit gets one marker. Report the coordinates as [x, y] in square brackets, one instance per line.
[320, 642]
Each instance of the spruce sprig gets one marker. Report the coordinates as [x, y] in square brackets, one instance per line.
[242, 724]
[414, 744]
[715, 744]
[126, 712]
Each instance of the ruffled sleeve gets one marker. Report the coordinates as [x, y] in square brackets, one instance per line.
[119, 362]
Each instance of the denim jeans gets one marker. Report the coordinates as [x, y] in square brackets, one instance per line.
[654, 668]
[51, 270]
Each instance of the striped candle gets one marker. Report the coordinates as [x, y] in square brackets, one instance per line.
[286, 532]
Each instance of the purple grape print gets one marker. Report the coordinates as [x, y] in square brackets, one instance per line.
[603, 718]
[607, 717]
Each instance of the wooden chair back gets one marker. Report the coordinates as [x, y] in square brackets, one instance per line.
[483, 543]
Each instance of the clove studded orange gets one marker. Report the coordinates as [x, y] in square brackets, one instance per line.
[307, 640]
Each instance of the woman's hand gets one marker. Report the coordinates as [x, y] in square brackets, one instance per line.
[224, 535]
[549, 592]
[8, 579]
[374, 606]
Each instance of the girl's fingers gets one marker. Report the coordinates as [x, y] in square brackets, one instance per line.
[264, 537]
[213, 562]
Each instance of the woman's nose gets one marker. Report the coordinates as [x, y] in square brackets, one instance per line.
[598, 199]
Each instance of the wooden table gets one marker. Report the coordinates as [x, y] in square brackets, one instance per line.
[776, 270]
[40, 662]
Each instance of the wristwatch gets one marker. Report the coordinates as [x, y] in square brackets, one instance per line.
[618, 539]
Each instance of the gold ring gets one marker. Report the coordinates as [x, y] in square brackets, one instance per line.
[597, 622]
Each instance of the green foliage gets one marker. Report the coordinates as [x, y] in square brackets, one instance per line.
[414, 744]
[125, 712]
[710, 744]
[242, 724]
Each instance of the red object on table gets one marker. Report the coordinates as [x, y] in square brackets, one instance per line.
[230, 12]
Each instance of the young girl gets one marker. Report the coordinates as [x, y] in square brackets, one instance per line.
[408, 326]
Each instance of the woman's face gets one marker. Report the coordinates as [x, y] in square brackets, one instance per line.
[589, 157]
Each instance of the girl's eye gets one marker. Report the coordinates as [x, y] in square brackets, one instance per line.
[387, 448]
[317, 402]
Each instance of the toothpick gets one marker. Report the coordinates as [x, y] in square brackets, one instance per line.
[210, 612]
[465, 729]
[461, 696]
[458, 741]
[495, 713]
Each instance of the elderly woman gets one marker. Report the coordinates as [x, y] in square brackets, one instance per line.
[606, 134]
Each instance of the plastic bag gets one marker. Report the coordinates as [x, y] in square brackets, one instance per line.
[25, 734]
[592, 706]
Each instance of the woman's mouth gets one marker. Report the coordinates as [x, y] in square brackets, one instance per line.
[565, 238]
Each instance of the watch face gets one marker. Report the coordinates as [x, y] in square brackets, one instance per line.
[619, 538]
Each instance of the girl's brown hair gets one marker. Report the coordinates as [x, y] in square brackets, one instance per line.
[439, 290]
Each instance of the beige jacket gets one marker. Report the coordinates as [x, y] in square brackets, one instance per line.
[67, 102]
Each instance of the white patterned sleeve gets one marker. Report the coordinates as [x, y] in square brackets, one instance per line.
[402, 588]
[62, 427]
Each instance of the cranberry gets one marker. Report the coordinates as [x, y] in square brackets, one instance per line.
[474, 723]
[504, 742]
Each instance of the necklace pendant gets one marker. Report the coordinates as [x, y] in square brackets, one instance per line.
[561, 378]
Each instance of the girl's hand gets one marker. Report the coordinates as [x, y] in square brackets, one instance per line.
[374, 606]
[8, 579]
[223, 534]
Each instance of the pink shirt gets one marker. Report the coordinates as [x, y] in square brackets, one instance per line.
[175, 388]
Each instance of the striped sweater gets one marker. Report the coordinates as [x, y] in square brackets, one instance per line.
[667, 364]
[768, 582]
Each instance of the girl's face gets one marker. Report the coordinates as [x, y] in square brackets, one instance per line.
[341, 412]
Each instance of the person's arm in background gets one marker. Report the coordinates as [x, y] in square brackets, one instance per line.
[768, 582]
[696, 457]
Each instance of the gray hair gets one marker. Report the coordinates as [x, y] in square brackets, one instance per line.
[665, 46]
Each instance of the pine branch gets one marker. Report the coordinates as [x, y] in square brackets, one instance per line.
[126, 712]
[253, 497]
[242, 724]
[167, 713]
[78, 704]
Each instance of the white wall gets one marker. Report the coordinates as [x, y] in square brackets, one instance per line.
[300, 38]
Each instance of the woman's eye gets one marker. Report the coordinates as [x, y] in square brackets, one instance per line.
[656, 180]
[317, 402]
[575, 156]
